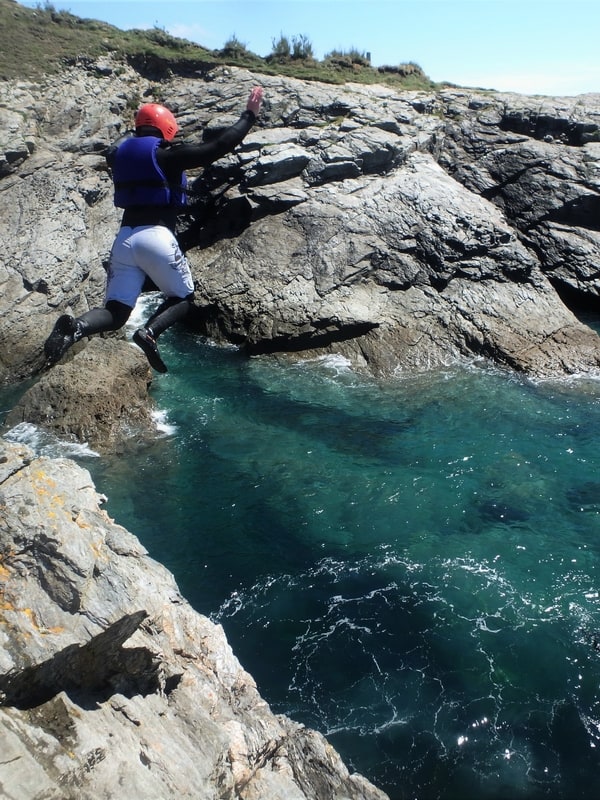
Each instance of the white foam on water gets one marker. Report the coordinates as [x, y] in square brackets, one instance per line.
[48, 444]
[335, 362]
[161, 420]
[143, 309]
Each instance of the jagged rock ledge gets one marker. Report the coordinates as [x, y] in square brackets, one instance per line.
[406, 230]
[111, 685]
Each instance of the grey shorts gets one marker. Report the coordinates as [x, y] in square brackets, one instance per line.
[147, 251]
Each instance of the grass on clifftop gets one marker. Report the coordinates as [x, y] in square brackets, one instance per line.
[42, 41]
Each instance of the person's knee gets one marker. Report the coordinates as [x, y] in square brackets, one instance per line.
[120, 313]
[174, 300]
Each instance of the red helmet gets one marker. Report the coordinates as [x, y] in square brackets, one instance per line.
[157, 116]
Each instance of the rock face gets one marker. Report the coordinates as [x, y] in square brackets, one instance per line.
[110, 684]
[99, 396]
[404, 230]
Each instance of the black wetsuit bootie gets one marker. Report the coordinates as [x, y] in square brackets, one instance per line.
[67, 330]
[143, 338]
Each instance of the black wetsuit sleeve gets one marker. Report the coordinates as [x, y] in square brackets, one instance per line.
[180, 157]
[111, 150]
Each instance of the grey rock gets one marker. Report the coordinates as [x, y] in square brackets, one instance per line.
[110, 684]
[410, 210]
[280, 163]
[98, 395]
[404, 230]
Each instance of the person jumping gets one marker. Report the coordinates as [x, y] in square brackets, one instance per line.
[148, 171]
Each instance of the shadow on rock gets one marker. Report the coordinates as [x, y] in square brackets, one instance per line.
[93, 671]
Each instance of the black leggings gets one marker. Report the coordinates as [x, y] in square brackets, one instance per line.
[173, 310]
[115, 314]
[110, 318]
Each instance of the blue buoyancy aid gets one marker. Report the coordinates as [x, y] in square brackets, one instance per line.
[138, 179]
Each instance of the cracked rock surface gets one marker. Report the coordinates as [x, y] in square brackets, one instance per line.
[405, 230]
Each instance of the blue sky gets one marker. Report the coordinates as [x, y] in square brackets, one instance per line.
[528, 46]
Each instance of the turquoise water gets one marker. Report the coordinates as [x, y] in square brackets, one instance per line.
[412, 569]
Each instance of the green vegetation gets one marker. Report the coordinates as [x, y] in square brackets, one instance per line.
[41, 41]
[284, 52]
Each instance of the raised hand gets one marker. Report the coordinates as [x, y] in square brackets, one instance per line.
[255, 100]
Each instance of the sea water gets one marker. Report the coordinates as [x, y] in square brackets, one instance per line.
[410, 567]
